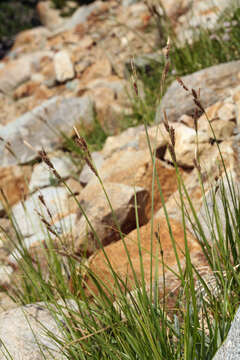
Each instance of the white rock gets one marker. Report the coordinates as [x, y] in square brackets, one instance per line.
[42, 176]
[63, 66]
[26, 217]
[23, 333]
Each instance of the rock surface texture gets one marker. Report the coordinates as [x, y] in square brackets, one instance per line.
[231, 347]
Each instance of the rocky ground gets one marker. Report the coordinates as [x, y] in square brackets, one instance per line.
[62, 75]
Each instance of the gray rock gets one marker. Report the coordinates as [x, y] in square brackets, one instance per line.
[41, 127]
[215, 82]
[214, 200]
[26, 217]
[19, 71]
[23, 333]
[230, 349]
[80, 16]
[129, 2]
[42, 176]
[87, 173]
[61, 227]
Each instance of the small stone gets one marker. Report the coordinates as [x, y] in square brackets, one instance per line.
[63, 66]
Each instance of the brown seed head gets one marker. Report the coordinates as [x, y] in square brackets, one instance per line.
[181, 83]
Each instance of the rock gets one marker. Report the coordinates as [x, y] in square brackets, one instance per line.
[211, 168]
[23, 333]
[230, 348]
[118, 258]
[26, 217]
[134, 168]
[42, 127]
[223, 130]
[216, 83]
[81, 15]
[227, 112]
[63, 66]
[25, 90]
[49, 16]
[158, 138]
[14, 74]
[100, 215]
[128, 139]
[5, 275]
[86, 173]
[36, 244]
[31, 40]
[100, 69]
[185, 145]
[214, 200]
[42, 176]
[136, 15]
[14, 184]
[6, 303]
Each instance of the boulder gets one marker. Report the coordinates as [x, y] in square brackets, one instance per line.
[99, 213]
[23, 331]
[230, 348]
[118, 257]
[43, 127]
[135, 168]
[214, 201]
[215, 82]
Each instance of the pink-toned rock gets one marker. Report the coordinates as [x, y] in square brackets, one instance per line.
[14, 184]
[25, 90]
[118, 258]
[31, 40]
[134, 168]
[102, 68]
